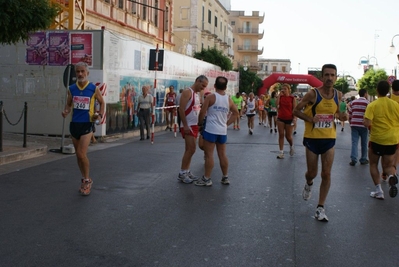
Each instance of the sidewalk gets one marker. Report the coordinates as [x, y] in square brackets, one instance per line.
[38, 145]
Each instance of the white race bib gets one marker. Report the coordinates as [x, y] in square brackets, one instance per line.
[81, 102]
[326, 121]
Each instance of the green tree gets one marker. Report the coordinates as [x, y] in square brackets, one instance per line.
[249, 81]
[21, 17]
[370, 80]
[342, 85]
[215, 57]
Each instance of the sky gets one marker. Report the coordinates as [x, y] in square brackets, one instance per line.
[311, 33]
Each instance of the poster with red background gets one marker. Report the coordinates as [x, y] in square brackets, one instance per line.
[82, 48]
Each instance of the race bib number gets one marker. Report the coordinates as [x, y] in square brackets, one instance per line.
[81, 102]
[325, 121]
[196, 110]
[273, 109]
[261, 107]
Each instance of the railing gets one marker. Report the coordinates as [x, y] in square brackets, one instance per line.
[24, 114]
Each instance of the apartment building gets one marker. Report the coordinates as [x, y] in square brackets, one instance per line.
[269, 66]
[246, 38]
[201, 25]
[147, 20]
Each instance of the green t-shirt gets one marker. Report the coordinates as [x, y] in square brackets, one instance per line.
[342, 106]
[237, 101]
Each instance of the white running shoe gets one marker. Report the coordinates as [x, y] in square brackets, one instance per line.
[320, 215]
[377, 194]
[292, 151]
[307, 191]
[280, 156]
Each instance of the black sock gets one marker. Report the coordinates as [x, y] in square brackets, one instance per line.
[321, 206]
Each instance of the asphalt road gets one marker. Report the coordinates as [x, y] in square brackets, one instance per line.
[139, 215]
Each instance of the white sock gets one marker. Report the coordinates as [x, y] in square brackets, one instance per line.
[378, 187]
[281, 151]
[183, 171]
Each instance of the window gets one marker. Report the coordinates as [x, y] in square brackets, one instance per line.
[216, 22]
[283, 69]
[247, 44]
[233, 23]
[274, 68]
[134, 8]
[120, 4]
[247, 27]
[156, 13]
[166, 13]
[144, 13]
[209, 17]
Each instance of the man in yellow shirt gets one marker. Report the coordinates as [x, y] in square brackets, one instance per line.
[382, 117]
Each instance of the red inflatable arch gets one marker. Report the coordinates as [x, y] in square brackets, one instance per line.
[288, 78]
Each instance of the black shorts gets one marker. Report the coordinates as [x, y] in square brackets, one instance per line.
[77, 129]
[318, 146]
[382, 150]
[285, 121]
[272, 114]
[250, 115]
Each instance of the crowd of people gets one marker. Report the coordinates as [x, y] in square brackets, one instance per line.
[375, 123]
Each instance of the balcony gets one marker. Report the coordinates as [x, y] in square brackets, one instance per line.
[250, 31]
[250, 49]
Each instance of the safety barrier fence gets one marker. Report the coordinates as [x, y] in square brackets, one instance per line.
[24, 114]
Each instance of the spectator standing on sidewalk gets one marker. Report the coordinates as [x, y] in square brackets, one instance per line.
[216, 108]
[320, 107]
[356, 111]
[189, 109]
[382, 115]
[81, 98]
[144, 106]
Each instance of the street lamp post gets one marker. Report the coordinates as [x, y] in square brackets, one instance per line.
[363, 60]
[392, 50]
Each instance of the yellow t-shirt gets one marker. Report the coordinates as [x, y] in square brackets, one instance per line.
[325, 109]
[395, 97]
[384, 116]
[265, 98]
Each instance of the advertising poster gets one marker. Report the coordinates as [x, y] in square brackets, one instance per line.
[58, 48]
[82, 48]
[36, 51]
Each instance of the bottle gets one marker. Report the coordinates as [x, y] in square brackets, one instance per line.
[97, 120]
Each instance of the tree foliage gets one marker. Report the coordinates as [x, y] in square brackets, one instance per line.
[342, 85]
[21, 17]
[249, 81]
[215, 57]
[370, 80]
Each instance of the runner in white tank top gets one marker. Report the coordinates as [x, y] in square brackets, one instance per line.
[216, 116]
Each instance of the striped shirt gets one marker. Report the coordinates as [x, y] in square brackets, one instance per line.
[356, 111]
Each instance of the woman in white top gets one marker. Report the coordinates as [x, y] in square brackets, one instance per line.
[251, 107]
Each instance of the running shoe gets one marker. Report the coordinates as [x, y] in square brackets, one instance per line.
[292, 151]
[280, 156]
[384, 177]
[238, 127]
[85, 188]
[192, 176]
[320, 215]
[352, 163]
[275, 130]
[225, 180]
[364, 162]
[307, 191]
[271, 130]
[251, 131]
[234, 127]
[393, 190]
[184, 178]
[203, 182]
[377, 194]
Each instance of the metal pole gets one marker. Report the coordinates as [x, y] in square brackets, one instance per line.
[66, 99]
[25, 122]
[154, 96]
[1, 126]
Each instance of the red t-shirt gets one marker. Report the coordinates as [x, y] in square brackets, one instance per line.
[170, 99]
[285, 107]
